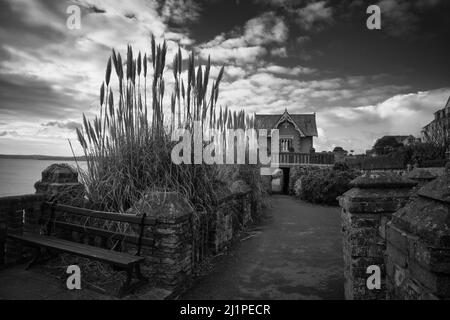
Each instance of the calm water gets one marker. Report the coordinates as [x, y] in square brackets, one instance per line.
[18, 176]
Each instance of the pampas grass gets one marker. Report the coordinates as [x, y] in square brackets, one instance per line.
[128, 145]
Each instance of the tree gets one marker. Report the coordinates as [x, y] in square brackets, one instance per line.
[340, 150]
[386, 145]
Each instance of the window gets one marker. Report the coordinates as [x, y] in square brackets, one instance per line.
[286, 145]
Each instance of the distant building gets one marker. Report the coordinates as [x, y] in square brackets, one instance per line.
[410, 140]
[296, 130]
[438, 130]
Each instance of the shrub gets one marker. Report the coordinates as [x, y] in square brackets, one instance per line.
[421, 153]
[324, 186]
[296, 173]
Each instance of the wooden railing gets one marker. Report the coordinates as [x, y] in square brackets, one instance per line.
[292, 158]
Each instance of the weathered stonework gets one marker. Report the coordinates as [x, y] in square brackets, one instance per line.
[366, 209]
[168, 240]
[232, 215]
[18, 214]
[60, 183]
[223, 229]
[169, 260]
[421, 176]
[418, 245]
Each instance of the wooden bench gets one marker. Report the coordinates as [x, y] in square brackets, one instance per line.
[123, 261]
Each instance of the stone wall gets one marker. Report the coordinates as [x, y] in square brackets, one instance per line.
[418, 245]
[168, 261]
[366, 208]
[403, 229]
[17, 214]
[170, 238]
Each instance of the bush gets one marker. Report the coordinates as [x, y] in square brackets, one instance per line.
[296, 173]
[324, 186]
[420, 153]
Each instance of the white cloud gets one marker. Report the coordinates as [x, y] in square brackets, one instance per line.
[314, 15]
[401, 114]
[279, 52]
[290, 71]
[251, 45]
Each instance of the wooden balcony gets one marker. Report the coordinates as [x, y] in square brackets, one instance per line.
[292, 158]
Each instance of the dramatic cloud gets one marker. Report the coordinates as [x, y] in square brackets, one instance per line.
[71, 125]
[180, 12]
[403, 114]
[314, 15]
[258, 34]
[402, 17]
[274, 54]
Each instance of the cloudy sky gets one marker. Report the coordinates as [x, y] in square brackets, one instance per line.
[307, 56]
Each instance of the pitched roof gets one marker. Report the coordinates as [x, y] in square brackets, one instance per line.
[399, 138]
[305, 122]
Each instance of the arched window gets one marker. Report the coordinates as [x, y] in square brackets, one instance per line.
[286, 145]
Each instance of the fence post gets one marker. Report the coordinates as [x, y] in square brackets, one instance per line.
[366, 209]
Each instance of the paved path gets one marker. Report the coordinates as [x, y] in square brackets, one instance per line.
[295, 254]
[19, 284]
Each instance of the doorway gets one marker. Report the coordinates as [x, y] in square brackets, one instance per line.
[286, 180]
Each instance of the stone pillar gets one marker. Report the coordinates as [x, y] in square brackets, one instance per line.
[418, 245]
[60, 182]
[366, 209]
[170, 257]
[421, 176]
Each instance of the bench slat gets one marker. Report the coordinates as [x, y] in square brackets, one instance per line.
[113, 257]
[121, 217]
[104, 233]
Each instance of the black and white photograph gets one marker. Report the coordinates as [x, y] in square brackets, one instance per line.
[224, 155]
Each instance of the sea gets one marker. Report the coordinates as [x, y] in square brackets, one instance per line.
[18, 176]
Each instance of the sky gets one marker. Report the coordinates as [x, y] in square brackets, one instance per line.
[306, 56]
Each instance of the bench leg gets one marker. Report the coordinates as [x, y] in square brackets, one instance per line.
[139, 275]
[127, 287]
[36, 256]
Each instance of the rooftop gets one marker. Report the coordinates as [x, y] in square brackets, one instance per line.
[306, 123]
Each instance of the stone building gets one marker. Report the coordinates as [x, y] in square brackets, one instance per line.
[296, 130]
[438, 130]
